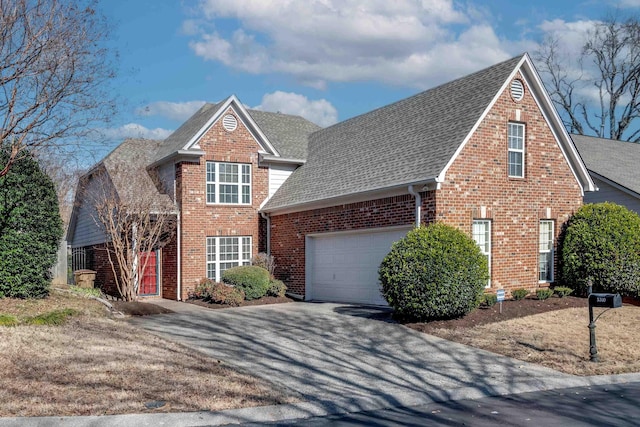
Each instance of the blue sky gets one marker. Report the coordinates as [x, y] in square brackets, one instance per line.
[326, 60]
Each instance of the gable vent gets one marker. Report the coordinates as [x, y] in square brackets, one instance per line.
[517, 90]
[229, 123]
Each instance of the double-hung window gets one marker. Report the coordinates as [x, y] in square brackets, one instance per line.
[228, 183]
[545, 258]
[515, 136]
[224, 253]
[482, 235]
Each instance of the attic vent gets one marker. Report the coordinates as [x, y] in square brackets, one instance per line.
[229, 123]
[517, 90]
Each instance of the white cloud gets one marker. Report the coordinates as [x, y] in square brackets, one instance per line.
[179, 111]
[134, 130]
[406, 42]
[320, 112]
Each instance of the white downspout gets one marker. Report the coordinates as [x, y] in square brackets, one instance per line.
[415, 194]
[268, 219]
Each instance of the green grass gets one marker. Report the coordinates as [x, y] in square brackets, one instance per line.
[8, 320]
[87, 292]
[56, 317]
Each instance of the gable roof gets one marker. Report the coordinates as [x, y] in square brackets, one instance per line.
[616, 161]
[412, 141]
[284, 136]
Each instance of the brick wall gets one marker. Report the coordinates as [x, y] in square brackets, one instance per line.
[199, 220]
[169, 270]
[288, 231]
[476, 186]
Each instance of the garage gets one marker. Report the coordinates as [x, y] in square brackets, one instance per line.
[343, 267]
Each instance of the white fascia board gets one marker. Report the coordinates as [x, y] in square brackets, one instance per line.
[243, 115]
[549, 112]
[347, 199]
[443, 173]
[268, 158]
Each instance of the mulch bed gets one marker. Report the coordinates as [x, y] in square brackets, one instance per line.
[138, 308]
[259, 301]
[510, 310]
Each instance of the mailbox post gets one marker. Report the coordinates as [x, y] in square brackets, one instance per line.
[599, 300]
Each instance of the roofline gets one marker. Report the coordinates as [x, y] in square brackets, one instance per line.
[528, 71]
[378, 193]
[270, 158]
[180, 154]
[615, 184]
[244, 116]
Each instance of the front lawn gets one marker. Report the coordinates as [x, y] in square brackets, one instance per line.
[552, 333]
[95, 365]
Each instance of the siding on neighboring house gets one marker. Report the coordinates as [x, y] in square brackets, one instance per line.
[278, 173]
[611, 193]
[86, 231]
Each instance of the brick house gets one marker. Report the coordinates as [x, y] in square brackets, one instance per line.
[486, 153]
[217, 169]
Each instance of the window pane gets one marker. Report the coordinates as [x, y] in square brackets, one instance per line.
[229, 249]
[246, 194]
[228, 193]
[246, 174]
[228, 173]
[211, 193]
[546, 255]
[515, 164]
[211, 172]
[246, 249]
[227, 265]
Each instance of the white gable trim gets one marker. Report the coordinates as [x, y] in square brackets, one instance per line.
[233, 103]
[529, 73]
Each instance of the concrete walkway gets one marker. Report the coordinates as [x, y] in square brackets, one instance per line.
[337, 359]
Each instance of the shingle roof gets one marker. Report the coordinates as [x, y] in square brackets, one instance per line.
[127, 169]
[288, 134]
[615, 160]
[407, 142]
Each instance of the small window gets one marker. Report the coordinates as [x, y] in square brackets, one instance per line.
[515, 138]
[224, 253]
[546, 253]
[228, 183]
[482, 235]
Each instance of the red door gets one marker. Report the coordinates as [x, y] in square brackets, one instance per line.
[148, 273]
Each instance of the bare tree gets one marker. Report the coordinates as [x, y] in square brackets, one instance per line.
[609, 65]
[135, 221]
[65, 175]
[53, 71]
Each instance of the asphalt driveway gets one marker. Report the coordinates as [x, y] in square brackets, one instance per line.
[346, 357]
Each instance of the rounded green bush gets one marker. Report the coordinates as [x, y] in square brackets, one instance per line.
[251, 279]
[277, 288]
[601, 242]
[434, 272]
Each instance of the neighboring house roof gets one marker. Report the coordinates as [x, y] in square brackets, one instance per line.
[616, 161]
[285, 135]
[412, 141]
[126, 169]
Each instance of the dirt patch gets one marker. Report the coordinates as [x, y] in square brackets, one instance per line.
[138, 308]
[259, 301]
[510, 310]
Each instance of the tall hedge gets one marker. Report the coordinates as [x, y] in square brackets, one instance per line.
[601, 241]
[434, 272]
[30, 229]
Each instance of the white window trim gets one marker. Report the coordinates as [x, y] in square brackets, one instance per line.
[487, 222]
[551, 250]
[240, 185]
[516, 150]
[244, 257]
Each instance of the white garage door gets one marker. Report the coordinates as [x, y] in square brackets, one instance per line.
[343, 267]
